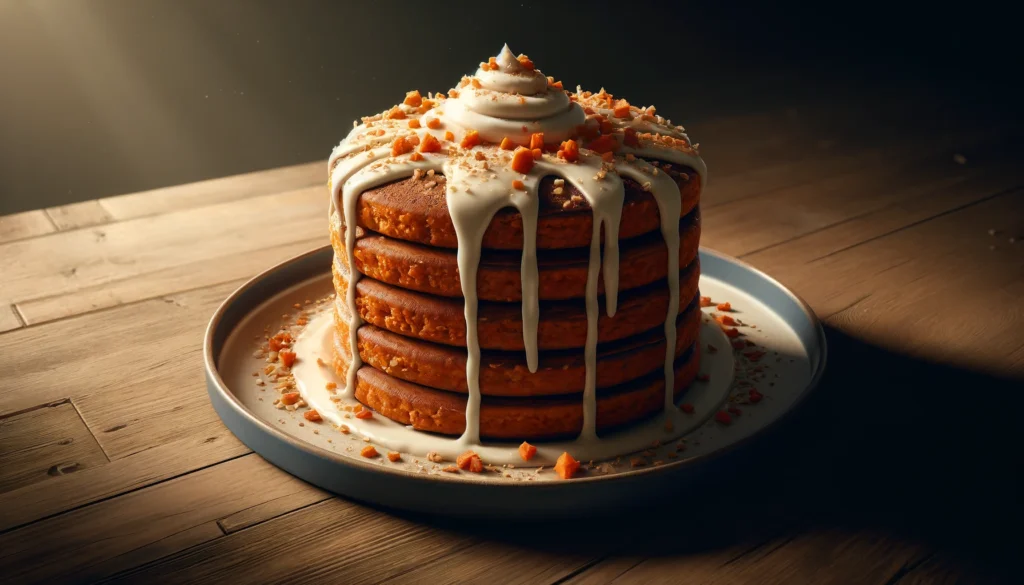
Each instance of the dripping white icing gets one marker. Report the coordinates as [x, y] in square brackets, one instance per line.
[514, 101]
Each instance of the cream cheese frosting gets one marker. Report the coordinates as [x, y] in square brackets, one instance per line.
[494, 137]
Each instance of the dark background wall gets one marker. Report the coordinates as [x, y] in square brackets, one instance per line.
[111, 96]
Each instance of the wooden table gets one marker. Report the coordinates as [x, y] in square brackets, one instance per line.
[892, 216]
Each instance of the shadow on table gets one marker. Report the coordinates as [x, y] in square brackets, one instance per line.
[890, 444]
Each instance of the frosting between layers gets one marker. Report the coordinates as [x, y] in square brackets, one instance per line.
[588, 140]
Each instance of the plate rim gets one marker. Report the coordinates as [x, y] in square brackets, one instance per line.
[216, 384]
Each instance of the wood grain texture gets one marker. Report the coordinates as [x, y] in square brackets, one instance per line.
[214, 191]
[78, 215]
[307, 495]
[94, 535]
[44, 443]
[148, 285]
[493, 562]
[9, 319]
[333, 542]
[25, 225]
[817, 557]
[67, 262]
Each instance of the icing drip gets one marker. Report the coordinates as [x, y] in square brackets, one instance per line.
[507, 99]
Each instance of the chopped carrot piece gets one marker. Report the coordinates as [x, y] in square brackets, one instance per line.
[724, 307]
[706, 302]
[433, 123]
[430, 144]
[607, 156]
[629, 138]
[400, 146]
[470, 461]
[395, 113]
[507, 144]
[537, 153]
[621, 109]
[492, 62]
[312, 416]
[394, 456]
[518, 185]
[287, 358]
[413, 98]
[725, 320]
[604, 143]
[471, 139]
[364, 414]
[527, 451]
[522, 160]
[537, 140]
[566, 466]
[289, 398]
[414, 123]
[426, 106]
[369, 452]
[416, 157]
[330, 385]
[570, 151]
[449, 136]
[732, 332]
[525, 62]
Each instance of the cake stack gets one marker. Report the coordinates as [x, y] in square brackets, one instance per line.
[417, 362]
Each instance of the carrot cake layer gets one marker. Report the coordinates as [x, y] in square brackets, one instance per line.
[519, 419]
[416, 209]
[560, 325]
[506, 373]
[562, 274]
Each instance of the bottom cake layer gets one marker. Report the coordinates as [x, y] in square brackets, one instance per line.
[516, 419]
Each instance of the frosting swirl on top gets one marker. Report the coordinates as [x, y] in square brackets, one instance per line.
[510, 99]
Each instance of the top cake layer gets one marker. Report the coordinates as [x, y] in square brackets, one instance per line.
[491, 133]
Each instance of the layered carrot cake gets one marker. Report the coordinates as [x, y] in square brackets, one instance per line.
[515, 261]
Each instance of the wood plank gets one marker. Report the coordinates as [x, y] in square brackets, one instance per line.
[816, 557]
[750, 224]
[23, 225]
[66, 262]
[88, 537]
[495, 562]
[135, 373]
[897, 289]
[159, 549]
[9, 320]
[175, 279]
[264, 511]
[67, 492]
[78, 215]
[334, 542]
[43, 443]
[941, 570]
[214, 191]
[158, 342]
[605, 571]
